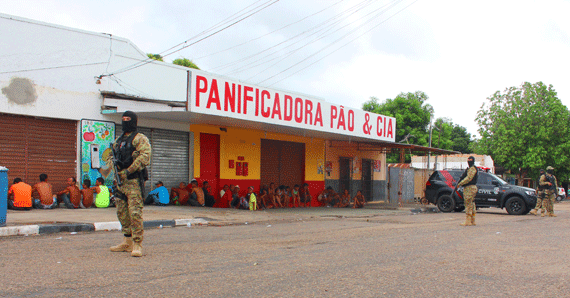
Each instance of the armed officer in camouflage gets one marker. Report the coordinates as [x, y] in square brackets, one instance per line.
[549, 180]
[469, 181]
[132, 157]
[540, 194]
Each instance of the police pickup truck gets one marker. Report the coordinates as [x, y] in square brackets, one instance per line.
[492, 192]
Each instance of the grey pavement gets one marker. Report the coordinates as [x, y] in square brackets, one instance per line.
[105, 219]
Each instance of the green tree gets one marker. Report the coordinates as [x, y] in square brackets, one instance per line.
[412, 115]
[525, 129]
[185, 62]
[450, 136]
[155, 56]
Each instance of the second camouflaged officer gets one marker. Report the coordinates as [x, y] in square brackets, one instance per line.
[469, 181]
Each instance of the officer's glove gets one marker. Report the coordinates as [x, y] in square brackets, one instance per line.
[123, 175]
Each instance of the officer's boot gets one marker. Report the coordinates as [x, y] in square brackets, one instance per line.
[137, 250]
[473, 220]
[542, 213]
[126, 245]
[551, 214]
[533, 211]
[467, 221]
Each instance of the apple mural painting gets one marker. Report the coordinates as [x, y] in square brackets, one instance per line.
[89, 136]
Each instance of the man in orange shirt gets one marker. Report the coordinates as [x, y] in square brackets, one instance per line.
[44, 198]
[20, 196]
[71, 195]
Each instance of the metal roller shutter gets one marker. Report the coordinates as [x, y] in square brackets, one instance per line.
[170, 157]
[282, 163]
[31, 146]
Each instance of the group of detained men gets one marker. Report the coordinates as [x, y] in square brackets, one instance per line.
[22, 196]
[268, 197]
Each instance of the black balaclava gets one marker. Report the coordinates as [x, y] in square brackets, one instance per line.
[541, 172]
[130, 126]
[471, 161]
[550, 171]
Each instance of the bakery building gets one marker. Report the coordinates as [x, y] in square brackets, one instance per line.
[63, 91]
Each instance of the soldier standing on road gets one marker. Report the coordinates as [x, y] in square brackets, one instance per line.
[133, 155]
[551, 188]
[469, 181]
[540, 195]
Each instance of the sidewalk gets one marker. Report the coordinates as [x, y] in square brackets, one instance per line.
[95, 219]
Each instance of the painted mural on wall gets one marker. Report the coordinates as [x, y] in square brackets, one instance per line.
[377, 166]
[96, 154]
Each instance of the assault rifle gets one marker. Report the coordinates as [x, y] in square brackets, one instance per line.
[118, 193]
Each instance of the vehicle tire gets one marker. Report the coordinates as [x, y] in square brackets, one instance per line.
[559, 198]
[515, 206]
[459, 208]
[445, 203]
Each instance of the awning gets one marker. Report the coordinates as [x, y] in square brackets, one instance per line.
[115, 103]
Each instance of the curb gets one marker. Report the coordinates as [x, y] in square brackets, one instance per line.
[98, 226]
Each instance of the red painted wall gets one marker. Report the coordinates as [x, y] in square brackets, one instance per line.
[315, 187]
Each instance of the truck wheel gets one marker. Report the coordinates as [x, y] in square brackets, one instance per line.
[515, 206]
[445, 203]
[559, 198]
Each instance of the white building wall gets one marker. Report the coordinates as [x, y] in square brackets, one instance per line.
[458, 161]
[51, 71]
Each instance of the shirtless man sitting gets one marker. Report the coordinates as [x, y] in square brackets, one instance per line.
[197, 197]
[323, 197]
[273, 199]
[179, 196]
[344, 200]
[71, 195]
[86, 194]
[359, 200]
[295, 196]
[306, 196]
[43, 194]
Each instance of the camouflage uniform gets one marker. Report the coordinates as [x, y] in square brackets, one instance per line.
[550, 192]
[540, 203]
[130, 212]
[469, 191]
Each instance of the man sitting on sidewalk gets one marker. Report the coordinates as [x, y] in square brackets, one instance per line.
[197, 197]
[44, 197]
[103, 198]
[180, 195]
[71, 195]
[20, 195]
[158, 196]
[86, 194]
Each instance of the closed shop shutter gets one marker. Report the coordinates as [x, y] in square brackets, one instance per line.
[170, 157]
[31, 146]
[282, 163]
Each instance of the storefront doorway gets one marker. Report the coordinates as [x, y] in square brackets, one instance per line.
[367, 179]
[345, 176]
[282, 163]
[210, 160]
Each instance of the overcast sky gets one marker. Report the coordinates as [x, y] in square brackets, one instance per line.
[457, 52]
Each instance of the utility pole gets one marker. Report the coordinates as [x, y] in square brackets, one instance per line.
[429, 152]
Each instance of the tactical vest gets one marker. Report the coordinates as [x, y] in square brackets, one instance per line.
[541, 187]
[552, 181]
[125, 156]
[473, 181]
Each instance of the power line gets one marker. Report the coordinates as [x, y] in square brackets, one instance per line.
[241, 44]
[323, 36]
[248, 14]
[339, 47]
[326, 29]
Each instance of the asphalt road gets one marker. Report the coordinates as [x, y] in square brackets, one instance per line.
[401, 255]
